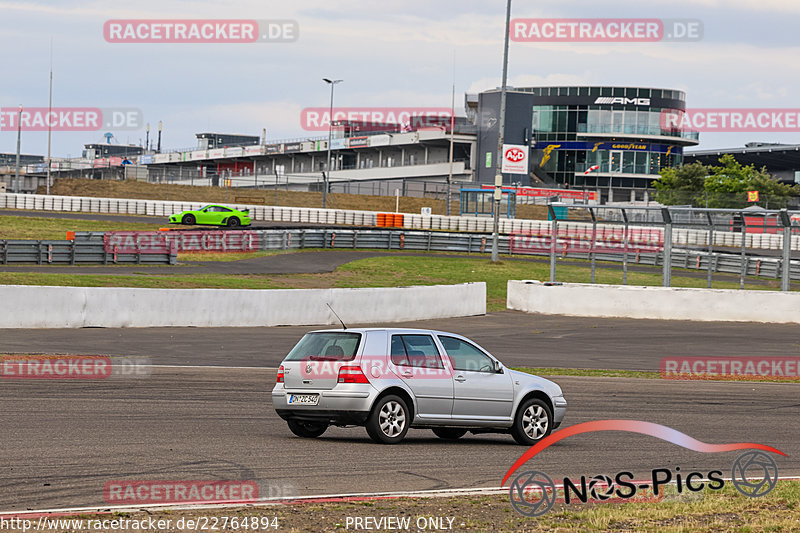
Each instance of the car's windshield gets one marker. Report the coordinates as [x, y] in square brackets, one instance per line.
[326, 346]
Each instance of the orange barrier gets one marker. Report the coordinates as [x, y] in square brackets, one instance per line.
[390, 220]
[164, 229]
[70, 235]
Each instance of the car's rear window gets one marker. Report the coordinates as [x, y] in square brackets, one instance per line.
[326, 346]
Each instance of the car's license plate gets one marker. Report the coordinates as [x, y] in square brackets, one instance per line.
[304, 399]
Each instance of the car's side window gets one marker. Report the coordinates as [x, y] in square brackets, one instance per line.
[399, 355]
[224, 210]
[415, 350]
[466, 356]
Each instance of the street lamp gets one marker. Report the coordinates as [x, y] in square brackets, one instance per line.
[498, 178]
[19, 139]
[326, 176]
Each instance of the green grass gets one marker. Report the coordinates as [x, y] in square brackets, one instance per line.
[391, 271]
[589, 372]
[42, 228]
[605, 373]
[146, 279]
[707, 511]
[406, 270]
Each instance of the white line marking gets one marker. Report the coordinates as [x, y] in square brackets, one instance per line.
[263, 502]
[267, 368]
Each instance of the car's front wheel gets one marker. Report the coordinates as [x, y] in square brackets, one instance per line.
[449, 433]
[307, 430]
[532, 423]
[189, 220]
[389, 420]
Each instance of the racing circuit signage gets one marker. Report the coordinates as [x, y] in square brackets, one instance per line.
[515, 159]
[160, 242]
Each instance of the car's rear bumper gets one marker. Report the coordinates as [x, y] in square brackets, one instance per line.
[343, 418]
[350, 404]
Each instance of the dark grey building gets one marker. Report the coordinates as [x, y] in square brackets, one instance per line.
[97, 151]
[207, 141]
[10, 159]
[593, 138]
[782, 161]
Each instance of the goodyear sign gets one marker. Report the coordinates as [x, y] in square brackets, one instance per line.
[548, 147]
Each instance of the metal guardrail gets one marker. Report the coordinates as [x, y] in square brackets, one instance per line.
[77, 252]
[437, 241]
[434, 241]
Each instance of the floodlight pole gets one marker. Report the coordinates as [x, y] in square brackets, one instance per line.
[498, 178]
[327, 174]
[49, 120]
[19, 140]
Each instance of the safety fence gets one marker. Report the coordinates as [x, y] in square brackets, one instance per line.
[76, 252]
[698, 229]
[688, 228]
[644, 251]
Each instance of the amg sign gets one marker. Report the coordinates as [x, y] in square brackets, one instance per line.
[620, 100]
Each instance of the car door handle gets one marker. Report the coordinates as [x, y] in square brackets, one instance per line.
[407, 373]
[460, 379]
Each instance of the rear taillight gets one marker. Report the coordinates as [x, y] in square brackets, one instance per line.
[280, 374]
[351, 374]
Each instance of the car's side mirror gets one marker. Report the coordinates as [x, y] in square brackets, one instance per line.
[498, 368]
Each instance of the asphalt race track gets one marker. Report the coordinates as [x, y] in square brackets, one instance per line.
[63, 441]
[205, 412]
[518, 339]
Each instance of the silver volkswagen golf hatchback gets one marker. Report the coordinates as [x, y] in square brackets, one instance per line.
[389, 380]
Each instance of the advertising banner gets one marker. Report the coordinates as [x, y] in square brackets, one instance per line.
[515, 159]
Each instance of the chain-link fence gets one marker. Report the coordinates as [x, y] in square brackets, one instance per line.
[743, 241]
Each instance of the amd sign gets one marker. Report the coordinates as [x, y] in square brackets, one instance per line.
[608, 100]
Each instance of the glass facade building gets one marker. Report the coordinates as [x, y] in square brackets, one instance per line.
[591, 137]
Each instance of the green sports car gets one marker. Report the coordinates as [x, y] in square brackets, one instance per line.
[213, 215]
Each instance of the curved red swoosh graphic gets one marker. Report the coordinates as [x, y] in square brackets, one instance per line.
[634, 426]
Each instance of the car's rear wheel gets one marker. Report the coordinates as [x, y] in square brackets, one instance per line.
[532, 423]
[189, 220]
[449, 433]
[389, 420]
[307, 430]
[233, 222]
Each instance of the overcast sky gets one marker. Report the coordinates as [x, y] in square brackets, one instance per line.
[396, 53]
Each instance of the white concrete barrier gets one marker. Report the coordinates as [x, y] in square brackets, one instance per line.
[661, 303]
[76, 307]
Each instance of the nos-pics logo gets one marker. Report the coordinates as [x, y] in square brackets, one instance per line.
[533, 493]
